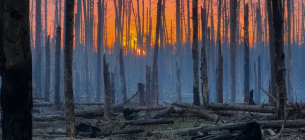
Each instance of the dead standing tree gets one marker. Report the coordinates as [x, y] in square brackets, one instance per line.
[15, 70]
[47, 70]
[290, 76]
[57, 68]
[219, 83]
[68, 76]
[204, 73]
[233, 7]
[38, 52]
[178, 46]
[246, 53]
[279, 57]
[155, 59]
[107, 89]
[195, 54]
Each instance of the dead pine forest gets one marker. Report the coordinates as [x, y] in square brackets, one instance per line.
[152, 69]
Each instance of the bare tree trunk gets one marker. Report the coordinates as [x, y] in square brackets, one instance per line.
[155, 59]
[112, 88]
[233, 7]
[258, 97]
[204, 70]
[178, 46]
[107, 90]
[46, 18]
[68, 61]
[122, 72]
[279, 57]
[196, 98]
[219, 82]
[273, 89]
[47, 70]
[255, 81]
[38, 52]
[290, 76]
[188, 24]
[57, 67]
[141, 94]
[16, 70]
[100, 50]
[148, 99]
[247, 54]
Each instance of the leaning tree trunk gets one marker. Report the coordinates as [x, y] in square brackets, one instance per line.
[15, 70]
[195, 54]
[37, 83]
[273, 89]
[47, 70]
[219, 83]
[57, 68]
[204, 73]
[290, 76]
[233, 7]
[107, 90]
[178, 46]
[155, 60]
[122, 73]
[279, 58]
[68, 61]
[246, 54]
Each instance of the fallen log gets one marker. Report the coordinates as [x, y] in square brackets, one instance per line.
[203, 114]
[148, 108]
[235, 107]
[165, 112]
[149, 122]
[109, 133]
[85, 103]
[187, 105]
[266, 124]
[182, 132]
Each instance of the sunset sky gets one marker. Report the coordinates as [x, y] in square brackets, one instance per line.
[170, 17]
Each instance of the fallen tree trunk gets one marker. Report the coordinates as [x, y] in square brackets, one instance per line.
[269, 95]
[38, 104]
[187, 105]
[181, 132]
[266, 124]
[108, 133]
[149, 108]
[165, 112]
[203, 114]
[149, 122]
[236, 107]
[85, 103]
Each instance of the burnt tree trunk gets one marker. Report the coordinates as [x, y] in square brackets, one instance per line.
[259, 79]
[273, 89]
[255, 81]
[107, 90]
[219, 82]
[195, 54]
[122, 72]
[112, 88]
[233, 7]
[147, 94]
[155, 59]
[178, 46]
[204, 70]
[279, 57]
[15, 70]
[100, 50]
[68, 62]
[246, 54]
[47, 70]
[38, 52]
[57, 67]
[141, 93]
[290, 76]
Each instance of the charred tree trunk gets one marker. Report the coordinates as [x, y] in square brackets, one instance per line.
[148, 96]
[195, 54]
[178, 46]
[259, 68]
[255, 80]
[47, 70]
[57, 67]
[68, 61]
[112, 88]
[38, 52]
[233, 7]
[100, 50]
[290, 76]
[155, 59]
[204, 69]
[247, 54]
[15, 70]
[141, 93]
[219, 82]
[273, 89]
[279, 58]
[107, 90]
[122, 72]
